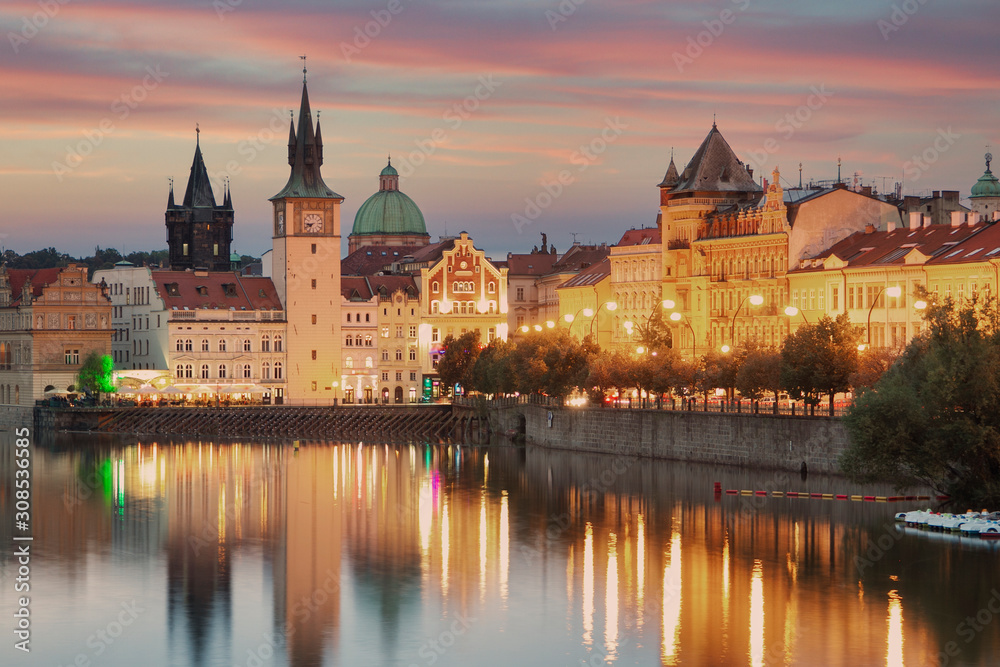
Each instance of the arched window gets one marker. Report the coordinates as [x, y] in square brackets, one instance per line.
[368, 362]
[434, 307]
[188, 371]
[399, 355]
[349, 341]
[492, 307]
[265, 370]
[277, 342]
[222, 371]
[492, 288]
[368, 341]
[277, 370]
[222, 345]
[348, 318]
[265, 343]
[435, 287]
[204, 345]
[179, 371]
[247, 347]
[188, 346]
[180, 345]
[247, 371]
[204, 371]
[349, 362]
[357, 340]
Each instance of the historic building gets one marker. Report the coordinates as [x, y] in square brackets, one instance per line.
[524, 271]
[305, 265]
[399, 367]
[636, 281]
[727, 244]
[586, 303]
[986, 194]
[388, 217]
[50, 321]
[226, 334]
[359, 327]
[461, 290]
[138, 317]
[199, 232]
[572, 262]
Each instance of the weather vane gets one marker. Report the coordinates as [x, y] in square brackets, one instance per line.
[303, 68]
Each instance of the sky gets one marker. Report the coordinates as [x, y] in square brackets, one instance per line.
[505, 118]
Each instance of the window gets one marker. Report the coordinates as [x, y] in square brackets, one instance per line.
[349, 341]
[247, 371]
[188, 371]
[204, 371]
[277, 370]
[413, 376]
[413, 331]
[222, 345]
[246, 345]
[204, 345]
[313, 248]
[399, 331]
[349, 362]
[314, 283]
[399, 376]
[180, 345]
[435, 335]
[435, 287]
[368, 362]
[385, 376]
[277, 342]
[215, 249]
[314, 319]
[368, 317]
[265, 343]
[222, 371]
[491, 335]
[179, 371]
[314, 381]
[835, 298]
[348, 318]
[71, 322]
[520, 294]
[850, 297]
[385, 355]
[357, 340]
[72, 356]
[434, 308]
[184, 248]
[368, 341]
[265, 370]
[399, 355]
[492, 288]
[314, 355]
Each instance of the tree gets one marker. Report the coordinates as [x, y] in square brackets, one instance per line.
[759, 373]
[716, 371]
[552, 362]
[655, 335]
[495, 371]
[934, 417]
[819, 359]
[872, 364]
[97, 374]
[458, 359]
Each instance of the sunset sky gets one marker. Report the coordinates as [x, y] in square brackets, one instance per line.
[99, 106]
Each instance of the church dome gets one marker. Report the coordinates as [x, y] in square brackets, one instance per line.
[389, 211]
[987, 185]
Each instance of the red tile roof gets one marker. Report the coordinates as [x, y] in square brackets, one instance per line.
[643, 236]
[367, 286]
[369, 260]
[530, 264]
[590, 276]
[193, 290]
[580, 257]
[39, 279]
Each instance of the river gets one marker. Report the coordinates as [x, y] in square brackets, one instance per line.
[249, 554]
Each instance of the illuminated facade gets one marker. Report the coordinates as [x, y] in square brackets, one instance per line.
[585, 299]
[636, 280]
[461, 291]
[50, 320]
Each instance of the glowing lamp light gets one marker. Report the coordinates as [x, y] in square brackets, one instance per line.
[568, 317]
[894, 291]
[676, 317]
[612, 305]
[588, 312]
[640, 349]
[524, 329]
[920, 305]
[550, 324]
[791, 311]
[862, 347]
[538, 327]
[628, 325]
[756, 299]
[725, 349]
[668, 304]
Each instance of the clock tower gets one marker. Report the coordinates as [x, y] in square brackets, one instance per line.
[306, 265]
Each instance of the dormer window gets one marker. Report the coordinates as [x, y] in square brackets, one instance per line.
[202, 290]
[261, 293]
[229, 289]
[172, 289]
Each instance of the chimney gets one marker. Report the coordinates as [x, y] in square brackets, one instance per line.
[996, 216]
[890, 226]
[915, 220]
[927, 220]
[956, 218]
[869, 229]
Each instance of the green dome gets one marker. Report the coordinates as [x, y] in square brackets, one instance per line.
[389, 212]
[389, 171]
[986, 186]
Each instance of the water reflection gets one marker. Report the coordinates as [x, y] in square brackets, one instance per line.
[415, 554]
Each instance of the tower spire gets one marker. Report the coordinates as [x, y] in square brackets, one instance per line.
[303, 68]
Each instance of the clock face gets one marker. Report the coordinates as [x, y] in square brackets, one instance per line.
[312, 222]
[281, 223]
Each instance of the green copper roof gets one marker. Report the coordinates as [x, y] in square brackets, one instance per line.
[986, 186]
[389, 212]
[389, 171]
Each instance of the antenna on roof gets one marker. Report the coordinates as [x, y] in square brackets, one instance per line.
[800, 175]
[574, 235]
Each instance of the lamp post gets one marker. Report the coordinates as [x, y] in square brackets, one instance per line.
[571, 319]
[894, 291]
[755, 300]
[677, 317]
[792, 311]
[611, 305]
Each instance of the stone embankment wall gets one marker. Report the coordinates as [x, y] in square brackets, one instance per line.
[762, 441]
[13, 416]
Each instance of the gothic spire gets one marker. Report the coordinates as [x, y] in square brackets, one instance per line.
[199, 187]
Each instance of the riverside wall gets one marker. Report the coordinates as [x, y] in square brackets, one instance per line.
[761, 441]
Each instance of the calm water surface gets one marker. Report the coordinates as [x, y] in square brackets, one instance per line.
[251, 554]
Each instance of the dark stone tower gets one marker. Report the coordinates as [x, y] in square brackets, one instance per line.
[199, 233]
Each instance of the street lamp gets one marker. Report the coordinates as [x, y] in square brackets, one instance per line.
[755, 300]
[894, 291]
[571, 319]
[792, 311]
[550, 324]
[677, 317]
[920, 305]
[725, 349]
[610, 305]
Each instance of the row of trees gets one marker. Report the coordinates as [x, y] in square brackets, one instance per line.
[817, 360]
[103, 258]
